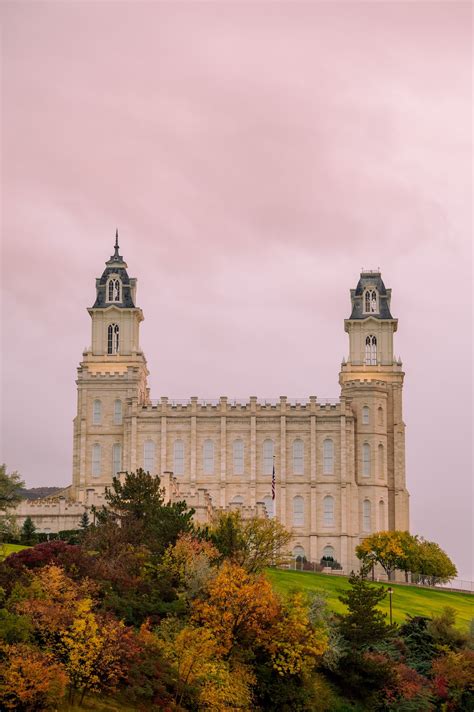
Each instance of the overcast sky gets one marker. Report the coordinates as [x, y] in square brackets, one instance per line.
[254, 156]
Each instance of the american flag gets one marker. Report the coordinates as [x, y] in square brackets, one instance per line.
[273, 480]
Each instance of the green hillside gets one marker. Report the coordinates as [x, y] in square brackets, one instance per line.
[405, 600]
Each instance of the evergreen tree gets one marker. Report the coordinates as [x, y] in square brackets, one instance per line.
[363, 624]
[28, 533]
[137, 504]
[84, 523]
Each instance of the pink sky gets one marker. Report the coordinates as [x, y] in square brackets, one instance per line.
[254, 156]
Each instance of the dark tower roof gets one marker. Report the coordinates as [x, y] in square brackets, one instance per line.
[370, 279]
[115, 266]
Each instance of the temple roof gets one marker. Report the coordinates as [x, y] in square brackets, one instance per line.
[371, 280]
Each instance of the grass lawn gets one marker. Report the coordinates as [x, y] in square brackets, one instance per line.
[405, 599]
[6, 549]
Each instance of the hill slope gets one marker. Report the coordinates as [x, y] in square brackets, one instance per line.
[406, 599]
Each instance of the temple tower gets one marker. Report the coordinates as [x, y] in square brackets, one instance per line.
[111, 383]
[372, 382]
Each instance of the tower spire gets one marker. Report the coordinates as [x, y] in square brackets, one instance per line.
[116, 253]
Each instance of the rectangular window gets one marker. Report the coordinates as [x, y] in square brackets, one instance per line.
[116, 458]
[96, 460]
[238, 448]
[118, 412]
[208, 457]
[178, 458]
[328, 457]
[149, 456]
[96, 412]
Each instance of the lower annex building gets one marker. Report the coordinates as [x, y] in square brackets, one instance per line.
[339, 466]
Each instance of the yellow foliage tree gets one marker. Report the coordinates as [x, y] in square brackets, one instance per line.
[294, 644]
[239, 608]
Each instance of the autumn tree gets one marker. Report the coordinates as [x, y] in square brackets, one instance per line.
[30, 679]
[432, 564]
[10, 489]
[390, 549]
[251, 543]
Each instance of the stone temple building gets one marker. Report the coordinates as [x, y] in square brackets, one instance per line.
[339, 466]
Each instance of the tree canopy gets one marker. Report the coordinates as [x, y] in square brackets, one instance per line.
[10, 489]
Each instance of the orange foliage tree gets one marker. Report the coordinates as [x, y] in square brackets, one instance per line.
[30, 679]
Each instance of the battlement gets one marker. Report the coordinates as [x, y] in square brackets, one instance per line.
[225, 405]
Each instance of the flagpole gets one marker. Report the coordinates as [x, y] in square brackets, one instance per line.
[274, 488]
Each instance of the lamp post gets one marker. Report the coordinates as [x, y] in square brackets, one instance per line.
[390, 594]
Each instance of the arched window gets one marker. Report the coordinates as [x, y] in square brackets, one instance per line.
[380, 461]
[113, 294]
[267, 457]
[298, 457]
[178, 457]
[118, 412]
[366, 516]
[238, 456]
[298, 552]
[97, 412]
[366, 460]
[149, 456]
[113, 340]
[96, 459]
[382, 525]
[328, 457]
[370, 301]
[371, 350]
[269, 505]
[238, 499]
[380, 415]
[116, 458]
[298, 511]
[329, 553]
[208, 457]
[328, 511]
[365, 415]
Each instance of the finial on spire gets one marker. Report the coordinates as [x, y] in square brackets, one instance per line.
[116, 254]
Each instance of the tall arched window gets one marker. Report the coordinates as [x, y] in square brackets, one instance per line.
[208, 457]
[328, 457]
[267, 457]
[380, 415]
[269, 505]
[371, 350]
[328, 552]
[382, 525]
[366, 460]
[298, 457]
[96, 459]
[97, 412]
[113, 339]
[178, 457]
[149, 456]
[365, 415]
[238, 456]
[328, 511]
[113, 294]
[366, 516]
[380, 461]
[118, 412]
[298, 511]
[116, 458]
[370, 301]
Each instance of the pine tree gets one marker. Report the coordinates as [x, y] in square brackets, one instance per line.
[84, 523]
[363, 624]
[28, 533]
